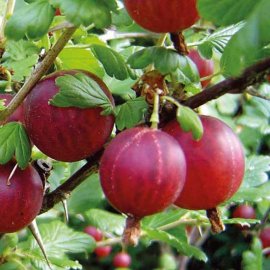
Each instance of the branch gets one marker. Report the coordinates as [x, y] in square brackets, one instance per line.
[37, 74]
[64, 190]
[252, 75]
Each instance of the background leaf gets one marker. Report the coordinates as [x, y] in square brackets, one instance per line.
[236, 11]
[218, 40]
[32, 20]
[112, 61]
[183, 248]
[256, 171]
[20, 56]
[88, 195]
[58, 240]
[245, 47]
[168, 61]
[87, 12]
[253, 259]
[106, 221]
[77, 58]
[163, 218]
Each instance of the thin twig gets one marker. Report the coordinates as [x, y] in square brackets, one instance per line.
[64, 190]
[61, 26]
[252, 75]
[37, 74]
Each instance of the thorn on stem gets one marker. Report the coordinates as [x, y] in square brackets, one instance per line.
[35, 232]
[64, 202]
[11, 174]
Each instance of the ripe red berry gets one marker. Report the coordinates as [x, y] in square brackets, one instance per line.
[205, 67]
[215, 164]
[65, 134]
[21, 200]
[122, 259]
[102, 252]
[94, 232]
[163, 16]
[265, 237]
[244, 211]
[142, 171]
[18, 115]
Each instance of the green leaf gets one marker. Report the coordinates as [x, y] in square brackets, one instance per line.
[189, 121]
[32, 20]
[9, 266]
[113, 62]
[252, 194]
[256, 171]
[18, 50]
[14, 141]
[20, 56]
[167, 261]
[22, 68]
[253, 259]
[77, 58]
[236, 11]
[106, 221]
[142, 58]
[163, 218]
[86, 12]
[121, 88]
[88, 195]
[182, 247]
[121, 18]
[228, 104]
[241, 221]
[8, 241]
[255, 186]
[246, 46]
[58, 240]
[166, 61]
[81, 91]
[58, 263]
[131, 113]
[256, 113]
[218, 40]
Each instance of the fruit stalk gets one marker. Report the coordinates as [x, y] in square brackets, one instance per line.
[155, 114]
[132, 231]
[37, 74]
[179, 43]
[217, 225]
